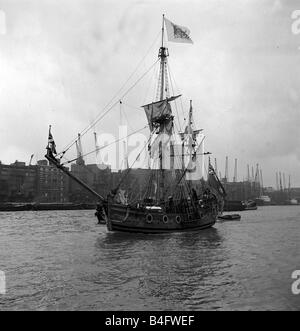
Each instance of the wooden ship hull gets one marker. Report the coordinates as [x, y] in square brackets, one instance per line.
[129, 219]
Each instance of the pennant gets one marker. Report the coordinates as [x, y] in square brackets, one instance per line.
[177, 33]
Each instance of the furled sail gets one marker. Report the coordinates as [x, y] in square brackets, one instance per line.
[159, 112]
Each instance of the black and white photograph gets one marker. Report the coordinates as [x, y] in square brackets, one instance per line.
[149, 158]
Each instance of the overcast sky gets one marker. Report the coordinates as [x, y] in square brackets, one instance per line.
[61, 61]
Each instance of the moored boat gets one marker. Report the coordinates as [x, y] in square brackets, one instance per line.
[263, 200]
[233, 217]
[250, 205]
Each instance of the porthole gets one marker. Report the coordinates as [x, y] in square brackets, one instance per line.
[149, 218]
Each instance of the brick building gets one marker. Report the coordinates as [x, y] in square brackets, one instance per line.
[52, 184]
[18, 182]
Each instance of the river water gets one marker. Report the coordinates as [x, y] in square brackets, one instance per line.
[63, 260]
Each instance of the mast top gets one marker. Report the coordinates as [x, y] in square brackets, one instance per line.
[163, 30]
[163, 51]
[163, 54]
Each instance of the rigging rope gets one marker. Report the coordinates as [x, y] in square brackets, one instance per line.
[173, 80]
[173, 91]
[111, 100]
[185, 171]
[150, 84]
[129, 169]
[100, 148]
[102, 115]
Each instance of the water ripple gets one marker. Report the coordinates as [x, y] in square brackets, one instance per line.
[63, 260]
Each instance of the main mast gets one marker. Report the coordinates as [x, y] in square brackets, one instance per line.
[163, 54]
[159, 115]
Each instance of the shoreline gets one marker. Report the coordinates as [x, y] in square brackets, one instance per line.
[11, 207]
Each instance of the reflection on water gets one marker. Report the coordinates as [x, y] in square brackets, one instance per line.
[63, 260]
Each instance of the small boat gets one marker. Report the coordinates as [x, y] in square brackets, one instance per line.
[251, 208]
[263, 200]
[233, 217]
[251, 205]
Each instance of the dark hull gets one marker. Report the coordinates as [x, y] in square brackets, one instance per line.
[251, 208]
[251, 205]
[229, 218]
[129, 219]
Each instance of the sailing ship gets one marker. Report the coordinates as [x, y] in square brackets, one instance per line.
[168, 205]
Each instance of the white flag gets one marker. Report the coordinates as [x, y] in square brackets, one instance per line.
[177, 33]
